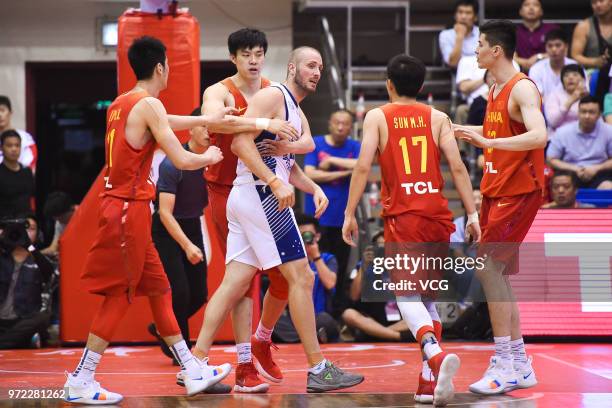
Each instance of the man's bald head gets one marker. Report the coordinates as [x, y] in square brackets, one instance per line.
[300, 54]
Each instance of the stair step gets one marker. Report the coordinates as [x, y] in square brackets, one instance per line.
[359, 83]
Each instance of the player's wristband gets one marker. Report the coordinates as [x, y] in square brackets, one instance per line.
[262, 123]
[472, 219]
[316, 259]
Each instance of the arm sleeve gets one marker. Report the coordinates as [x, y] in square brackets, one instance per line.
[169, 177]
[608, 130]
[331, 262]
[534, 73]
[311, 158]
[555, 149]
[553, 109]
[356, 148]
[44, 265]
[462, 72]
[446, 45]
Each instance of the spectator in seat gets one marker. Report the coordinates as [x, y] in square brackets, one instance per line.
[330, 165]
[28, 154]
[471, 83]
[588, 49]
[561, 106]
[16, 180]
[546, 73]
[23, 276]
[564, 186]
[584, 147]
[478, 108]
[531, 34]
[460, 40]
[368, 320]
[60, 208]
[591, 46]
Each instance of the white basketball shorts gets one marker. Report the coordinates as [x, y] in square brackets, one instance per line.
[260, 235]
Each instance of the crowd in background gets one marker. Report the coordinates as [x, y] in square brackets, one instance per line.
[572, 73]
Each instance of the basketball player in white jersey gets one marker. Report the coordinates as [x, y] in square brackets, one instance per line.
[262, 228]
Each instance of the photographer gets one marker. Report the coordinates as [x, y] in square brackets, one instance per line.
[369, 320]
[24, 273]
[324, 266]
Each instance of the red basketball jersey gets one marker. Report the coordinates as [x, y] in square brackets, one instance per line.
[508, 173]
[224, 172]
[410, 164]
[127, 170]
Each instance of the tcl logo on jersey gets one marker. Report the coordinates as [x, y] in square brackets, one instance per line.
[420, 187]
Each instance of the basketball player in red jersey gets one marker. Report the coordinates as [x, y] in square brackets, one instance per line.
[122, 262]
[513, 138]
[408, 137]
[247, 48]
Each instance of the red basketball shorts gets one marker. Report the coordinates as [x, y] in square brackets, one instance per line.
[506, 221]
[123, 258]
[417, 237]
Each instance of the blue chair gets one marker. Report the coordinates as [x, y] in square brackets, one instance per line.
[599, 198]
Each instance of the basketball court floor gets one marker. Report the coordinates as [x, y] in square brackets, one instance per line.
[569, 375]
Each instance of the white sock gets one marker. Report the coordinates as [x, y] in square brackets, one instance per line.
[244, 352]
[430, 347]
[503, 350]
[518, 352]
[318, 368]
[187, 361]
[263, 334]
[414, 313]
[86, 369]
[426, 372]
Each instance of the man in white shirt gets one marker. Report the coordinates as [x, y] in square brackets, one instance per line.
[546, 73]
[462, 39]
[470, 81]
[28, 145]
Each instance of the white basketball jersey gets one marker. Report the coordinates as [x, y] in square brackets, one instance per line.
[280, 165]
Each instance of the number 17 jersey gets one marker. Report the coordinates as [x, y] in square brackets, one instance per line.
[410, 164]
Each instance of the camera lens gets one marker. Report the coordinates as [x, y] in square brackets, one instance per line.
[308, 237]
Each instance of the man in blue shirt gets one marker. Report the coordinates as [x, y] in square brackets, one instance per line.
[330, 165]
[584, 147]
[324, 266]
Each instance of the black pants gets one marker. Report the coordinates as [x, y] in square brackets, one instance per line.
[331, 241]
[18, 333]
[188, 282]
